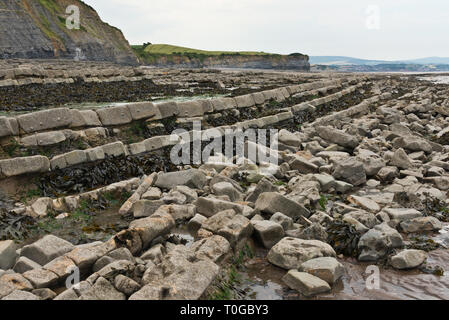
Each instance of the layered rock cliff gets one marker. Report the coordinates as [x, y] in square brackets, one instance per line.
[37, 29]
[294, 61]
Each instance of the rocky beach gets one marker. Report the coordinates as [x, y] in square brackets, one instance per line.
[360, 185]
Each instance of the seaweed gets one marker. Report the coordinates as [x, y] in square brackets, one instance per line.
[14, 226]
[344, 238]
[421, 242]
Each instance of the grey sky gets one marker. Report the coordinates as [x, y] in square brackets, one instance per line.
[408, 28]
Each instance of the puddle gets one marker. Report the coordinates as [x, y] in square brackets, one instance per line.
[261, 280]
[183, 235]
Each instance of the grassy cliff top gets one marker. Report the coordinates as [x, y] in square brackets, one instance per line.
[170, 49]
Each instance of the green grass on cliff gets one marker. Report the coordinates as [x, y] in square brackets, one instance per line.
[167, 49]
[163, 53]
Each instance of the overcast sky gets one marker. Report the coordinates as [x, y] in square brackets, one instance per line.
[373, 29]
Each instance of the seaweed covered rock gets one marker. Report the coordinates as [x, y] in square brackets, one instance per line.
[378, 242]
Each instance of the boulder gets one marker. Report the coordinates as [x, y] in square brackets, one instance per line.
[402, 214]
[8, 254]
[336, 136]
[192, 178]
[230, 225]
[211, 206]
[290, 253]
[11, 282]
[24, 264]
[264, 185]
[325, 268]
[226, 188]
[126, 285]
[46, 249]
[215, 248]
[272, 202]
[195, 223]
[401, 160]
[20, 295]
[302, 165]
[421, 224]
[268, 232]
[350, 170]
[289, 139]
[102, 290]
[364, 203]
[178, 276]
[159, 224]
[285, 221]
[378, 241]
[145, 208]
[408, 259]
[41, 278]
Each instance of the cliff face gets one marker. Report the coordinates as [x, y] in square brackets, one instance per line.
[279, 62]
[36, 29]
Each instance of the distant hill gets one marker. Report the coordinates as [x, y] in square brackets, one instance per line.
[342, 60]
[36, 29]
[166, 55]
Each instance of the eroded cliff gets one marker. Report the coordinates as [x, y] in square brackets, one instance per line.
[37, 29]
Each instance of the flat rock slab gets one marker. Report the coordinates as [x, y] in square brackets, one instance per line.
[305, 283]
[364, 203]
[192, 178]
[402, 214]
[325, 268]
[272, 202]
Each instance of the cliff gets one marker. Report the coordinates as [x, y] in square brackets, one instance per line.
[36, 29]
[172, 56]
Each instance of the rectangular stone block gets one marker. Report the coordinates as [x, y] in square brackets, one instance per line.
[114, 116]
[75, 157]
[188, 109]
[58, 162]
[166, 110]
[245, 101]
[84, 118]
[258, 97]
[5, 127]
[114, 149]
[95, 154]
[142, 110]
[18, 166]
[45, 120]
[221, 104]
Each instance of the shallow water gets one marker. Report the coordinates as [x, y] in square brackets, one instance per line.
[261, 280]
[436, 79]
